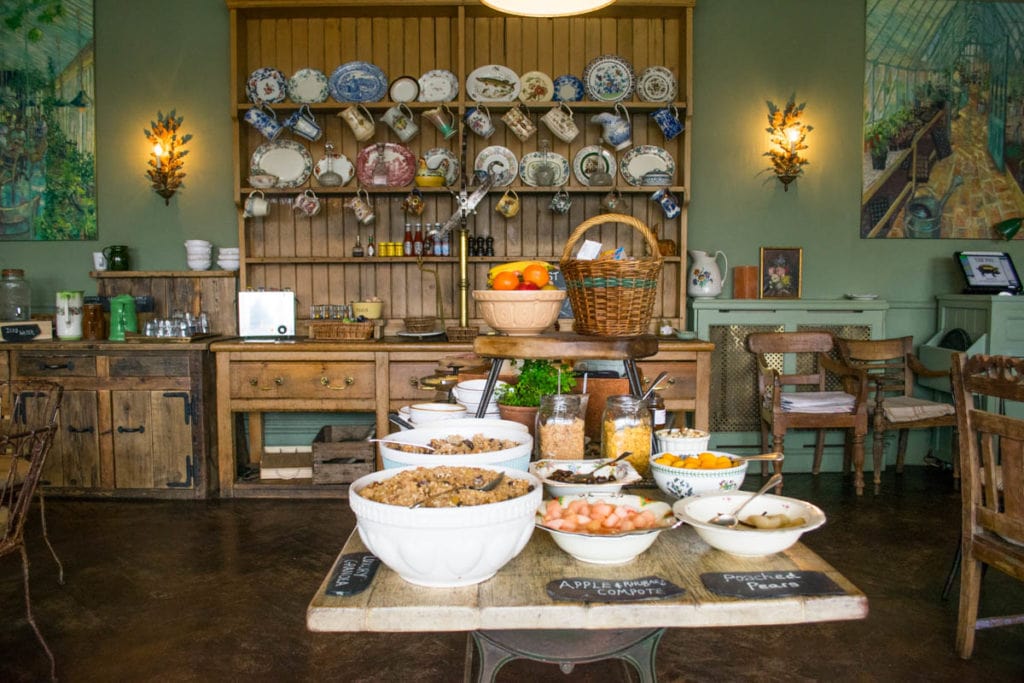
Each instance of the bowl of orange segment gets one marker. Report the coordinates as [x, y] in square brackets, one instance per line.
[520, 302]
[682, 476]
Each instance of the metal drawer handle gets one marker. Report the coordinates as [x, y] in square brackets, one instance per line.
[349, 381]
[278, 381]
[414, 381]
[57, 366]
[128, 430]
[80, 430]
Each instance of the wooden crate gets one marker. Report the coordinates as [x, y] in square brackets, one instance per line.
[341, 453]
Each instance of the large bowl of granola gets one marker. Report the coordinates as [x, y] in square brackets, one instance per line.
[458, 538]
[463, 445]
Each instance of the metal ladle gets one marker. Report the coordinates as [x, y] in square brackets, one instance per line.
[730, 520]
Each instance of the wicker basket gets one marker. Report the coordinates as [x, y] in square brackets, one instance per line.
[420, 325]
[462, 334]
[612, 298]
[331, 329]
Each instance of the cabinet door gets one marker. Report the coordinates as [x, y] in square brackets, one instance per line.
[75, 455]
[152, 436]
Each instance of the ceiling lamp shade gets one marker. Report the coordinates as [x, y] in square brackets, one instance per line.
[546, 8]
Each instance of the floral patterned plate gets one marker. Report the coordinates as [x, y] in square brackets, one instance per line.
[398, 160]
[645, 159]
[287, 159]
[567, 88]
[438, 85]
[266, 85]
[358, 82]
[609, 78]
[656, 84]
[593, 159]
[493, 83]
[535, 161]
[308, 86]
[536, 86]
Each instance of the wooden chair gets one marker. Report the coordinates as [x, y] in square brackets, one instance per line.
[992, 484]
[892, 369]
[777, 388]
[23, 449]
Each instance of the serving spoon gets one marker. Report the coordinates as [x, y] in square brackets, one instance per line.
[486, 486]
[730, 520]
[754, 458]
[590, 476]
[403, 443]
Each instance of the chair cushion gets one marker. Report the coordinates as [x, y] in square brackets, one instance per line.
[817, 402]
[909, 408]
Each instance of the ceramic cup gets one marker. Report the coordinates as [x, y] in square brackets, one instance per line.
[304, 123]
[99, 261]
[478, 119]
[413, 203]
[561, 123]
[519, 123]
[264, 121]
[256, 206]
[307, 203]
[401, 121]
[443, 119]
[360, 120]
[361, 207]
[669, 203]
[561, 202]
[668, 121]
[508, 205]
[612, 201]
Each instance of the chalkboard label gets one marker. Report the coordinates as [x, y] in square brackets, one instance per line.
[770, 584]
[354, 573]
[575, 589]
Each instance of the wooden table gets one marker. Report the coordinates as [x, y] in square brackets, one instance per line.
[512, 616]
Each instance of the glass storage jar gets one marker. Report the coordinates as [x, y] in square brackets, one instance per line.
[626, 426]
[15, 295]
[560, 427]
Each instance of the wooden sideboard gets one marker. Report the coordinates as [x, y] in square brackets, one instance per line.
[371, 377]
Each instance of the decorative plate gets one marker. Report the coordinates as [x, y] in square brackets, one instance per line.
[399, 161]
[308, 86]
[645, 159]
[493, 83]
[438, 85]
[500, 161]
[266, 85]
[287, 159]
[334, 163]
[656, 84]
[438, 155]
[593, 159]
[404, 89]
[534, 161]
[567, 88]
[536, 86]
[609, 78]
[358, 82]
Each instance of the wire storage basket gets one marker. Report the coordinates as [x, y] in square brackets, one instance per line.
[612, 298]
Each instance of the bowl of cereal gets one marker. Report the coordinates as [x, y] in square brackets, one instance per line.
[463, 445]
[682, 441]
[453, 540]
[768, 525]
[681, 476]
[604, 528]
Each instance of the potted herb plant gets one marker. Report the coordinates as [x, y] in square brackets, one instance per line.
[520, 400]
[877, 135]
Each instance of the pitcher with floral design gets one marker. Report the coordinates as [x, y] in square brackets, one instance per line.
[704, 279]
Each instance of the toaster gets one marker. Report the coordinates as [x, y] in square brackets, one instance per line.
[266, 314]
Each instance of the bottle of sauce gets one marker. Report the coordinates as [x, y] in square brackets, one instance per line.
[407, 241]
[417, 241]
[15, 296]
[357, 250]
[371, 249]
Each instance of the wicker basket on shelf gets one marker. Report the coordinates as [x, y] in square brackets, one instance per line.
[420, 325]
[612, 298]
[337, 329]
[462, 334]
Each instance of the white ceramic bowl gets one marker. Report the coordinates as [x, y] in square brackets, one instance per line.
[445, 547]
[433, 412]
[608, 548]
[371, 310]
[623, 473]
[481, 425]
[471, 391]
[681, 483]
[519, 313]
[742, 540]
[517, 457]
[204, 265]
[190, 244]
[674, 441]
[228, 266]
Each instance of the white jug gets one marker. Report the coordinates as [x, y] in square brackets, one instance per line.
[69, 314]
[704, 279]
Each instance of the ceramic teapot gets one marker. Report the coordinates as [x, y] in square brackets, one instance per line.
[704, 279]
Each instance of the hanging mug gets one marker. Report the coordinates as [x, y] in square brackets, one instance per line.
[304, 123]
[519, 123]
[256, 206]
[669, 203]
[69, 315]
[508, 205]
[401, 121]
[361, 207]
[307, 203]
[560, 120]
[413, 203]
[478, 119]
[360, 120]
[668, 121]
[443, 119]
[264, 121]
[612, 201]
[561, 202]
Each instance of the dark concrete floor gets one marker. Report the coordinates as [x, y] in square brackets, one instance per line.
[204, 591]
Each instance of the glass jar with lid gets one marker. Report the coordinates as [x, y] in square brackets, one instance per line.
[15, 295]
[626, 426]
[560, 427]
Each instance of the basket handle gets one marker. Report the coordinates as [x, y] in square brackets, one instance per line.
[635, 223]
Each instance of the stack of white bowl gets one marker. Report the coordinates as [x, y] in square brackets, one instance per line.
[227, 258]
[199, 254]
[470, 392]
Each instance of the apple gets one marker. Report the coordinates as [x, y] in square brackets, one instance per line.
[527, 285]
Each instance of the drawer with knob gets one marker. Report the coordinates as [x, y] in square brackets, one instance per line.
[680, 383]
[53, 365]
[252, 380]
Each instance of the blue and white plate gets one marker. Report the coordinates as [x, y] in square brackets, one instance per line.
[266, 85]
[358, 82]
[307, 86]
[568, 88]
[609, 78]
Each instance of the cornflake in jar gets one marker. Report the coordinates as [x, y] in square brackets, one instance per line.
[626, 426]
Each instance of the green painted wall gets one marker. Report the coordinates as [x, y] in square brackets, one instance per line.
[153, 55]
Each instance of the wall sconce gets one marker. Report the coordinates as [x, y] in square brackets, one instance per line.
[788, 135]
[166, 168]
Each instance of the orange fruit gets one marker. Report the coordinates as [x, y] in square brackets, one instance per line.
[537, 274]
[505, 281]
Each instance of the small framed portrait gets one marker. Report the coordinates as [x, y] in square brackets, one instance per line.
[782, 272]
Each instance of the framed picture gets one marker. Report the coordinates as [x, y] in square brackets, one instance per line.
[781, 272]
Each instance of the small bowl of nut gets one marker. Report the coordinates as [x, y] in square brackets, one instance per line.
[683, 441]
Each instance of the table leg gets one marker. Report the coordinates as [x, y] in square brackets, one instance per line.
[492, 381]
[566, 648]
[636, 388]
